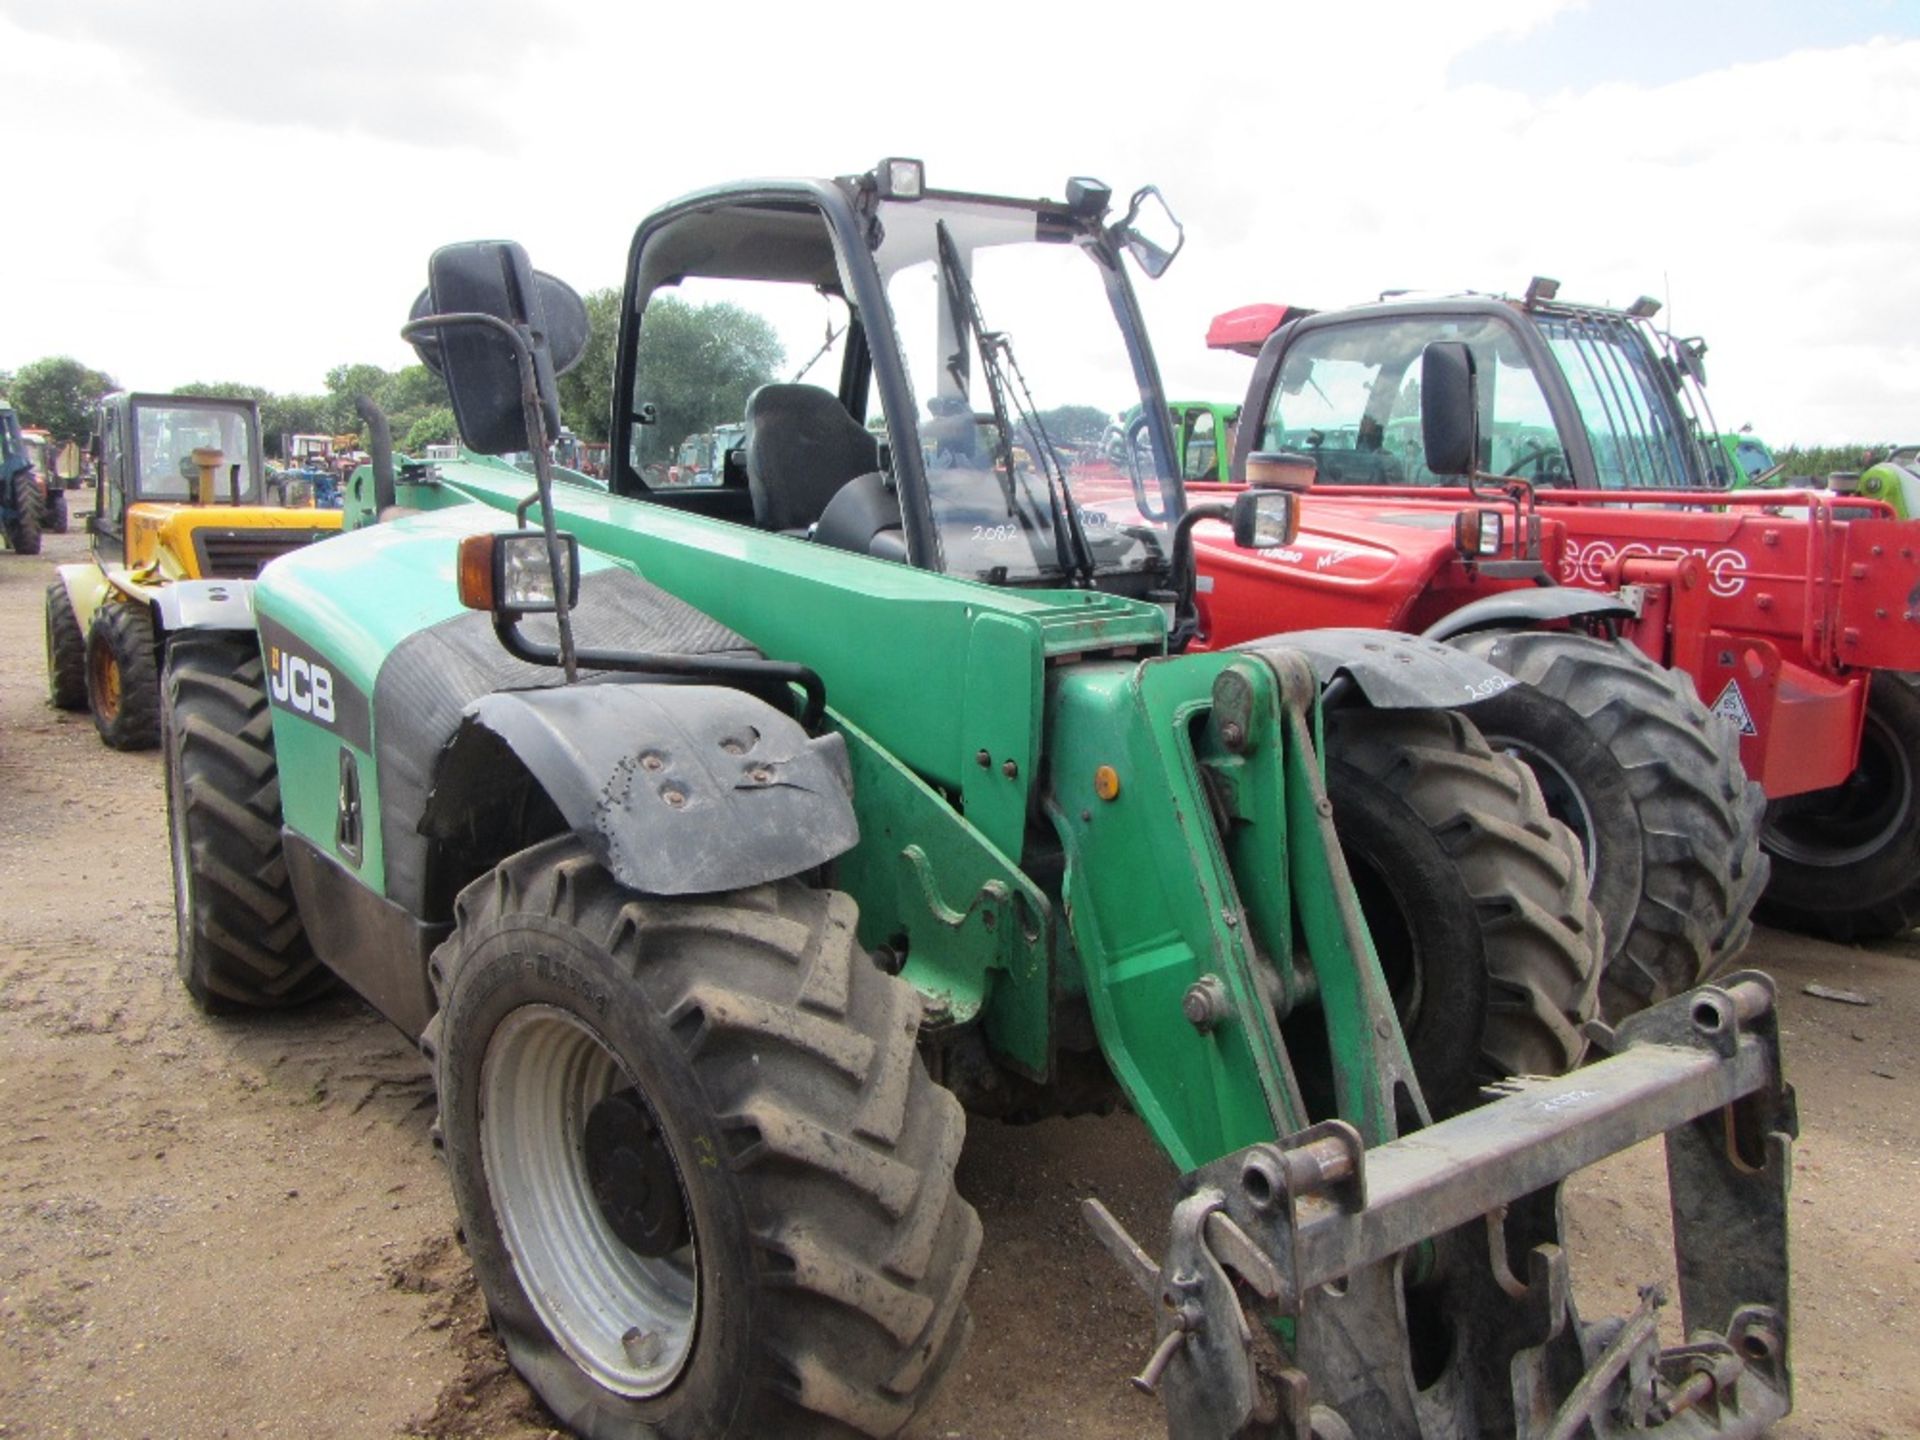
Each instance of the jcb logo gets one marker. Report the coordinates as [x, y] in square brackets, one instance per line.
[301, 684]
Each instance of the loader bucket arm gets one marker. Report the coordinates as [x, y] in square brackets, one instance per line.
[1300, 1275]
[1374, 1275]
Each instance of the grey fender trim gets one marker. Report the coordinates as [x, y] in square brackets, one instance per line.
[1393, 671]
[205, 605]
[676, 789]
[1523, 609]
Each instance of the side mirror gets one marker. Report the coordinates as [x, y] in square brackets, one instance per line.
[1449, 408]
[481, 365]
[1150, 233]
[1265, 519]
[1693, 359]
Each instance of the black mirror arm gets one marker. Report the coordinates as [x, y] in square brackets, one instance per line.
[721, 669]
[536, 421]
[1186, 615]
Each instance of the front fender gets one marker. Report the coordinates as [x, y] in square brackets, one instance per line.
[1525, 609]
[86, 588]
[676, 789]
[204, 605]
[1393, 671]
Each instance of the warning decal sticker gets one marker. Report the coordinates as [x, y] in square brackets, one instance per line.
[1732, 707]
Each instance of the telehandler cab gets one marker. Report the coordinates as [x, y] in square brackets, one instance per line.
[717, 858]
[179, 531]
[1599, 543]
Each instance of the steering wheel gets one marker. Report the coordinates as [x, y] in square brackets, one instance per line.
[1148, 509]
[1538, 455]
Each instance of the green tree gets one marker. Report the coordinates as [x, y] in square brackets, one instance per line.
[587, 389]
[1075, 424]
[697, 366]
[436, 427]
[282, 416]
[58, 395]
[416, 388]
[1820, 461]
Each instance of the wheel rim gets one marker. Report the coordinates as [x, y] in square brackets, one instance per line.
[106, 682]
[625, 1319]
[1853, 820]
[1565, 801]
[53, 672]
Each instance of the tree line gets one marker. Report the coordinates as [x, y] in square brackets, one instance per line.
[58, 394]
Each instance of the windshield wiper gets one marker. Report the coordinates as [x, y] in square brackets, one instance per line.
[1075, 556]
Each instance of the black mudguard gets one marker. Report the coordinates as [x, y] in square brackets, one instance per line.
[1393, 671]
[676, 789]
[1526, 609]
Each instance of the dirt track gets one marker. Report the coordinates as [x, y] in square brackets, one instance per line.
[237, 1228]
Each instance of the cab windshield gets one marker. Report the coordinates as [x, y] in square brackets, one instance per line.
[165, 437]
[1012, 329]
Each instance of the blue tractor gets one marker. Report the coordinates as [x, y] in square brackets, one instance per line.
[23, 493]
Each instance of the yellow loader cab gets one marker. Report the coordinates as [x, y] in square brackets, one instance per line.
[182, 525]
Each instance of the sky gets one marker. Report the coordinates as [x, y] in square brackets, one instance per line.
[248, 190]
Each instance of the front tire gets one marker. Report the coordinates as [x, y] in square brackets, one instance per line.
[1651, 782]
[706, 1182]
[1475, 897]
[240, 944]
[66, 652]
[1846, 861]
[57, 518]
[123, 683]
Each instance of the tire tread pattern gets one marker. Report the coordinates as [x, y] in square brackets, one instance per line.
[24, 533]
[125, 630]
[1522, 868]
[844, 1147]
[1702, 867]
[66, 652]
[245, 947]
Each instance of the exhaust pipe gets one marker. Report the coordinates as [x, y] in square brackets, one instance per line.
[380, 447]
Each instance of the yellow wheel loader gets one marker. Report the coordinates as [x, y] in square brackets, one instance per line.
[180, 530]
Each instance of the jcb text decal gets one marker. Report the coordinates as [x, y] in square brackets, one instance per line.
[300, 683]
[1586, 562]
[303, 682]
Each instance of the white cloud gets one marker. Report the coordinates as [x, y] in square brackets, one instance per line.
[250, 190]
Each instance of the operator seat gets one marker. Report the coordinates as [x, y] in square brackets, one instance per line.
[802, 446]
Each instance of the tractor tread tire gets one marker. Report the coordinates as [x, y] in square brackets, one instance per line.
[57, 520]
[1519, 869]
[1701, 867]
[66, 652]
[24, 533]
[241, 945]
[125, 631]
[803, 1065]
[1875, 896]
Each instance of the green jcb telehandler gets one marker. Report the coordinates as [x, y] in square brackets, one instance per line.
[721, 846]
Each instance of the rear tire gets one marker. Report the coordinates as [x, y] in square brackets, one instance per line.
[1651, 781]
[769, 1206]
[240, 943]
[1846, 861]
[57, 520]
[66, 652]
[1475, 896]
[123, 682]
[23, 531]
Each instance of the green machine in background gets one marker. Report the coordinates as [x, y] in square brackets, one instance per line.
[720, 843]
